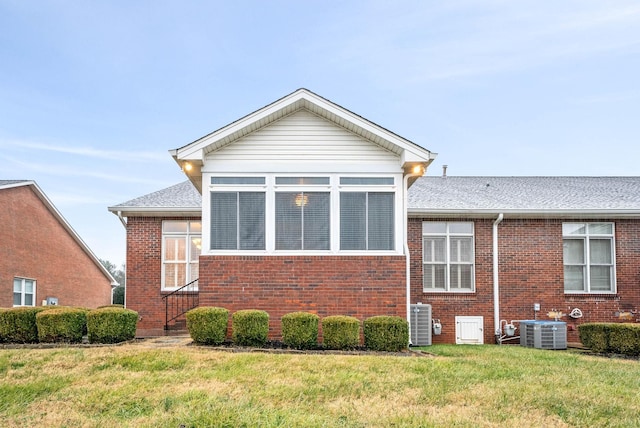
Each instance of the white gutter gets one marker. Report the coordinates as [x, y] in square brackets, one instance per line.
[496, 284]
[405, 191]
[122, 220]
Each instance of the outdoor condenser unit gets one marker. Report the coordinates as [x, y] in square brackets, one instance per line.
[420, 325]
[543, 334]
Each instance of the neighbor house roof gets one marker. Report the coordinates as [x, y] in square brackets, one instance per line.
[182, 199]
[8, 184]
[194, 153]
[525, 196]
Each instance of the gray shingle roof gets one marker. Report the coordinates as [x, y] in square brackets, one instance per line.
[10, 182]
[525, 194]
[182, 195]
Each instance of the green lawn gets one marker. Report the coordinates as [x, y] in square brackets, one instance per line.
[463, 386]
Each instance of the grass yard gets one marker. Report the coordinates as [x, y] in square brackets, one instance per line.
[462, 386]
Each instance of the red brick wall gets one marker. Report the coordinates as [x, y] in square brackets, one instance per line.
[325, 285]
[530, 271]
[34, 245]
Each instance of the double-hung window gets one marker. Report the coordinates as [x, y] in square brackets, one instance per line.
[367, 220]
[448, 256]
[24, 292]
[181, 245]
[238, 213]
[302, 213]
[588, 253]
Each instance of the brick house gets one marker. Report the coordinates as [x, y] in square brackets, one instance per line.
[42, 259]
[304, 205]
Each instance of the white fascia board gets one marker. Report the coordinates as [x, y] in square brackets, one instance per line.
[156, 211]
[491, 213]
[65, 224]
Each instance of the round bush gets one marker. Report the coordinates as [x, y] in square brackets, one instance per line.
[62, 324]
[340, 332]
[386, 333]
[208, 325]
[111, 325]
[300, 330]
[18, 325]
[250, 327]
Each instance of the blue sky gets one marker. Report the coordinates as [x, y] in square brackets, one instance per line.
[94, 94]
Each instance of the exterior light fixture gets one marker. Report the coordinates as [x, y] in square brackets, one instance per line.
[417, 170]
[187, 167]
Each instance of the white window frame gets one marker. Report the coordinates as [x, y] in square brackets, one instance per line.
[447, 235]
[188, 236]
[334, 188]
[586, 239]
[23, 292]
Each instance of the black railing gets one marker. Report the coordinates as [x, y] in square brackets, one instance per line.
[179, 301]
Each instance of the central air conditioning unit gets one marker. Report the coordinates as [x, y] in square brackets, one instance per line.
[543, 334]
[420, 325]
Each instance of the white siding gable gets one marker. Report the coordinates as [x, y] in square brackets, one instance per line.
[303, 142]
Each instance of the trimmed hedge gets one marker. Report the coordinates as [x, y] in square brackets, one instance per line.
[62, 324]
[340, 332]
[208, 325]
[250, 327]
[18, 325]
[616, 338]
[111, 325]
[386, 333]
[300, 330]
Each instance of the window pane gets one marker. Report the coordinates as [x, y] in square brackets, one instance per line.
[461, 249]
[600, 251]
[196, 245]
[367, 181]
[381, 221]
[224, 220]
[574, 278]
[434, 227]
[28, 286]
[573, 251]
[461, 277]
[175, 275]
[17, 299]
[175, 249]
[289, 208]
[434, 249]
[28, 299]
[601, 228]
[252, 220]
[600, 278]
[574, 229]
[302, 180]
[17, 285]
[195, 227]
[462, 227]
[174, 226]
[316, 221]
[353, 221]
[238, 180]
[194, 271]
[434, 276]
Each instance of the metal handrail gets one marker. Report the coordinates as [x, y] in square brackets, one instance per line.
[181, 301]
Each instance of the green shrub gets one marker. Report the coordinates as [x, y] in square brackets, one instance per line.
[340, 332]
[386, 333]
[113, 305]
[111, 325]
[595, 336]
[250, 327]
[300, 330]
[208, 325]
[625, 339]
[18, 325]
[62, 324]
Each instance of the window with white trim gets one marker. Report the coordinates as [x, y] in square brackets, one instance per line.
[588, 255]
[448, 256]
[181, 245]
[24, 292]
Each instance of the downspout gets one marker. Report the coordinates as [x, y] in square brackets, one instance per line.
[122, 220]
[496, 284]
[405, 190]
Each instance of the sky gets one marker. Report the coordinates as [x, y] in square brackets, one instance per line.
[94, 94]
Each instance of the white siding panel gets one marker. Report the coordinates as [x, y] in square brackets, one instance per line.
[304, 137]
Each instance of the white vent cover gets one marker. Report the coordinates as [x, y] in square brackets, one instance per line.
[420, 325]
[543, 334]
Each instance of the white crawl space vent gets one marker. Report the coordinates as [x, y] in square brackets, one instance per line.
[543, 334]
[420, 325]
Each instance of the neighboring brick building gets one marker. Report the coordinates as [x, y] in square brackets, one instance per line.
[41, 257]
[303, 205]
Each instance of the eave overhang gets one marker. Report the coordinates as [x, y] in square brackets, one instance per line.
[524, 214]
